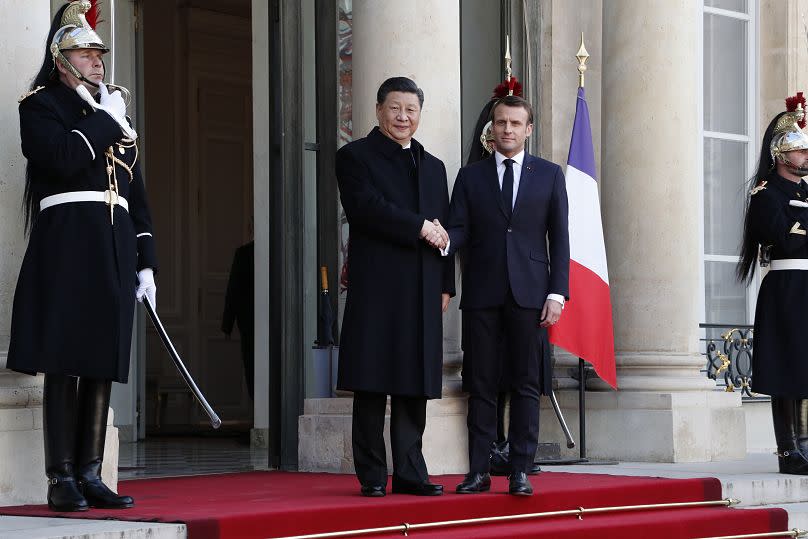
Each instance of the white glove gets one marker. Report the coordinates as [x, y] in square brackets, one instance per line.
[111, 103]
[146, 287]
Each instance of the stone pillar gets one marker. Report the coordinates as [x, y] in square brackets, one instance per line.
[391, 38]
[22, 472]
[650, 192]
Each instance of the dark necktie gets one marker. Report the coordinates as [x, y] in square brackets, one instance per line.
[507, 187]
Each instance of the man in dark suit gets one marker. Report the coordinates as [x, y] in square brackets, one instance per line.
[393, 192]
[239, 302]
[504, 211]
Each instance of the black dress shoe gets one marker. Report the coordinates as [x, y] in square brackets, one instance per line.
[534, 469]
[519, 485]
[416, 489]
[373, 491]
[474, 483]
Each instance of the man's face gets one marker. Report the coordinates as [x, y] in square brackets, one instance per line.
[88, 62]
[795, 163]
[399, 115]
[510, 129]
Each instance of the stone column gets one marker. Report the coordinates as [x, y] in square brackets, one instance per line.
[650, 192]
[391, 38]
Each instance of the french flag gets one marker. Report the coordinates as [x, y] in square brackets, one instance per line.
[585, 328]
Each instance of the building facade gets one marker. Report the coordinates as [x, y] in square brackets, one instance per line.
[241, 106]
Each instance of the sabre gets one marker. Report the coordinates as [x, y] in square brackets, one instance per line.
[215, 422]
[557, 408]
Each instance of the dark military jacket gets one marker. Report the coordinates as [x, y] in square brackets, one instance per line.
[778, 220]
[75, 297]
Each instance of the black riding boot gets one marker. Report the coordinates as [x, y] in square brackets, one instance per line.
[59, 428]
[92, 431]
[789, 457]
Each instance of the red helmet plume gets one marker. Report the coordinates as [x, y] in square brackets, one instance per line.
[505, 87]
[93, 14]
[791, 105]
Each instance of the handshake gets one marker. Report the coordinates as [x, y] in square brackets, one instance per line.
[434, 234]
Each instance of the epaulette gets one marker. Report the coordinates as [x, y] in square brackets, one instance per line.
[760, 187]
[29, 94]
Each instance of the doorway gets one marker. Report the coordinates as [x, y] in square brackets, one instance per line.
[197, 139]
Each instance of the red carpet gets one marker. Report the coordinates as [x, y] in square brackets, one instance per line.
[277, 504]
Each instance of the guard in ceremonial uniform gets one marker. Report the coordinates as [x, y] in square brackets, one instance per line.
[775, 232]
[90, 255]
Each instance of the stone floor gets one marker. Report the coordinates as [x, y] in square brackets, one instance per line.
[68, 528]
[173, 456]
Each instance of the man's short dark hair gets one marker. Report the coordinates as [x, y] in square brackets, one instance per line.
[399, 84]
[514, 101]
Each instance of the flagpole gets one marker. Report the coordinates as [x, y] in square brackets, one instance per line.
[582, 55]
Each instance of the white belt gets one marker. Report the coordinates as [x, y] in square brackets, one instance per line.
[789, 264]
[83, 196]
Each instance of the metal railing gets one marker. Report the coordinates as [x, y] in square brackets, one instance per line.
[729, 356]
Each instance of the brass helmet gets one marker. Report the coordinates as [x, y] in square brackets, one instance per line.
[76, 33]
[788, 134]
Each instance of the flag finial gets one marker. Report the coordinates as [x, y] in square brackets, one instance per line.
[508, 63]
[582, 57]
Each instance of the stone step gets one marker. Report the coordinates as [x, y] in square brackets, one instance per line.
[69, 528]
[765, 489]
[754, 480]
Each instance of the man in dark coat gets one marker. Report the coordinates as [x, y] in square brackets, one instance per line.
[239, 302]
[90, 253]
[393, 192]
[504, 211]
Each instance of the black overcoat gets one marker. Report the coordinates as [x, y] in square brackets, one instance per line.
[392, 335]
[75, 297]
[780, 358]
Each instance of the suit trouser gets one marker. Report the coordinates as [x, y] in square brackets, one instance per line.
[407, 423]
[518, 364]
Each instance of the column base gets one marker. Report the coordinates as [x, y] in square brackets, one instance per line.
[324, 436]
[648, 426]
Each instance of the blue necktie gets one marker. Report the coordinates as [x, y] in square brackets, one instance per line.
[507, 187]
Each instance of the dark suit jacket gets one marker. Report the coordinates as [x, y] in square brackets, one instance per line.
[498, 252]
[240, 298]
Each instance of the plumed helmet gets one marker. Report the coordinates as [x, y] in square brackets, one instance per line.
[788, 134]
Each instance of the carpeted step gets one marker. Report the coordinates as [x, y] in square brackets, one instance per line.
[277, 504]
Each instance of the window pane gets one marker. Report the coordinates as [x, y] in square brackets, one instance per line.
[732, 5]
[725, 75]
[725, 302]
[725, 178]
